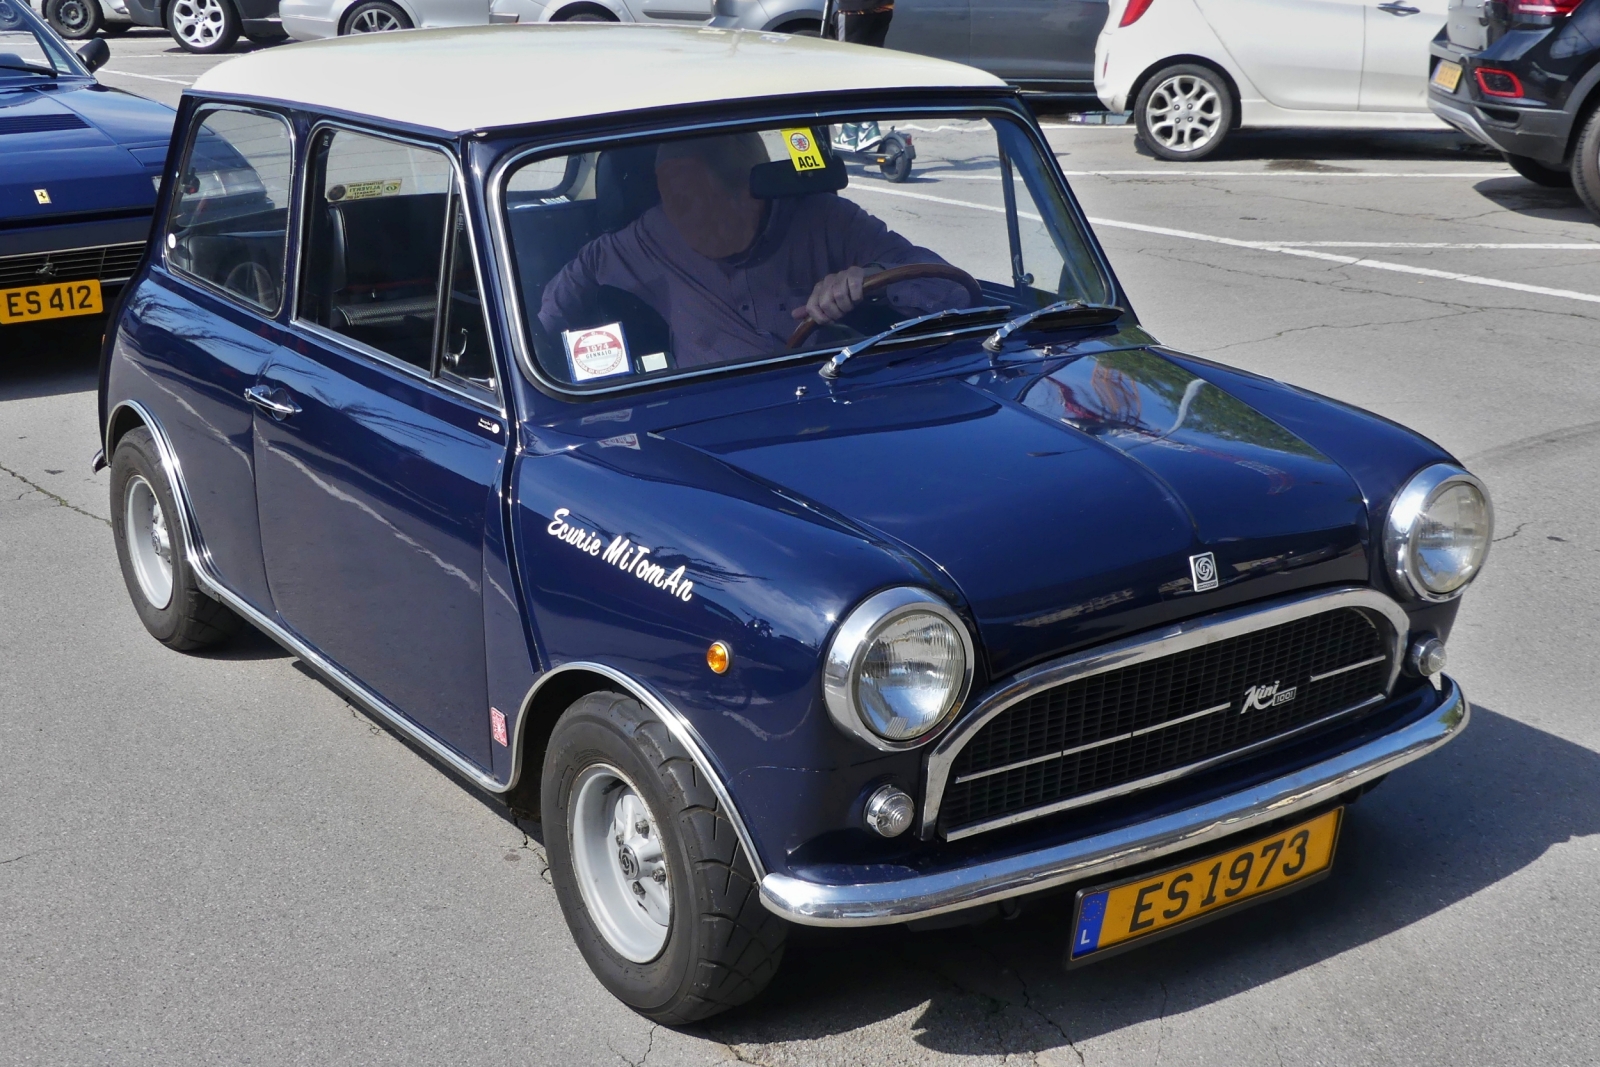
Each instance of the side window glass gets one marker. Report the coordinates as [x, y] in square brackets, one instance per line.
[466, 335]
[376, 232]
[231, 212]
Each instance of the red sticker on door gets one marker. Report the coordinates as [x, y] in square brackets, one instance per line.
[497, 726]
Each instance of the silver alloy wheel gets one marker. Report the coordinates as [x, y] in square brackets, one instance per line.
[199, 22]
[144, 525]
[74, 15]
[619, 864]
[1184, 113]
[375, 20]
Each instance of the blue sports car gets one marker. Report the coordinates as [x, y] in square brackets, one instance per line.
[79, 167]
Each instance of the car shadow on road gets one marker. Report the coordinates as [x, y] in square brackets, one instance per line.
[1518, 194]
[50, 358]
[1435, 834]
[1283, 149]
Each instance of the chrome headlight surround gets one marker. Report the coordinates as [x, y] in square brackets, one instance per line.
[841, 669]
[1405, 517]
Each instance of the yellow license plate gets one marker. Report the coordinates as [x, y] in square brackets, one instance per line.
[1114, 917]
[35, 303]
[1447, 75]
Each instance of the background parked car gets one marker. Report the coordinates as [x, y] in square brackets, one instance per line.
[210, 26]
[1524, 77]
[1194, 70]
[77, 20]
[782, 16]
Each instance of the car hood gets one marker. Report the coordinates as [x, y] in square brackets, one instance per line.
[1066, 500]
[92, 150]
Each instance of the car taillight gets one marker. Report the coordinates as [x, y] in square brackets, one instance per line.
[1137, 8]
[1543, 7]
[1498, 82]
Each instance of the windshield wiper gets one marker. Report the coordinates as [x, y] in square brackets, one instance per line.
[1064, 310]
[30, 68]
[904, 328]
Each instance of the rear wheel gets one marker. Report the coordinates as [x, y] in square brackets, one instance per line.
[269, 37]
[75, 20]
[376, 16]
[1184, 112]
[205, 27]
[1586, 165]
[586, 13]
[659, 895]
[896, 165]
[1539, 173]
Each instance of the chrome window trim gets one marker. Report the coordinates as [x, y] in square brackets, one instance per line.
[1400, 527]
[493, 401]
[494, 187]
[851, 640]
[194, 551]
[290, 219]
[1180, 637]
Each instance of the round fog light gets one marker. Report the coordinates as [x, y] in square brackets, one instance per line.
[1427, 656]
[889, 811]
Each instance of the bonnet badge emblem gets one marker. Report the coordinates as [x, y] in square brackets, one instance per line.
[1261, 697]
[42, 195]
[1203, 569]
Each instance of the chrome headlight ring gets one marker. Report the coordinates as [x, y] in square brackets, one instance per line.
[847, 653]
[1400, 535]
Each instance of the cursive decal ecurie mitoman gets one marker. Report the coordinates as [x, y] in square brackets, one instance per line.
[622, 554]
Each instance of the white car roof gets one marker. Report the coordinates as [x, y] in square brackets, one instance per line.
[485, 76]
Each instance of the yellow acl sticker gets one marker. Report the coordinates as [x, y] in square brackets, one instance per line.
[364, 190]
[804, 152]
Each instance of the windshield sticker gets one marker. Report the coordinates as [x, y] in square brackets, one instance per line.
[622, 554]
[803, 150]
[653, 361]
[598, 352]
[364, 190]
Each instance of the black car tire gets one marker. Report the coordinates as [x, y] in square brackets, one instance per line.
[376, 16]
[721, 945]
[594, 14]
[189, 619]
[267, 37]
[204, 27]
[116, 29]
[76, 20]
[897, 162]
[1538, 173]
[1586, 165]
[1210, 108]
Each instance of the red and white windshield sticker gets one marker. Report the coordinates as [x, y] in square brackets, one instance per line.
[597, 352]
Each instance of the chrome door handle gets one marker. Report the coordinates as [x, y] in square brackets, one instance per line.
[261, 396]
[1395, 7]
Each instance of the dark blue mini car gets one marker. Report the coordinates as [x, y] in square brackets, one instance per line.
[79, 167]
[797, 546]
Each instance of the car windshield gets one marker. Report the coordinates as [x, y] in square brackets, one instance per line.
[28, 50]
[653, 258]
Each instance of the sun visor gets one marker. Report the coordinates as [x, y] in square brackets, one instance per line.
[773, 181]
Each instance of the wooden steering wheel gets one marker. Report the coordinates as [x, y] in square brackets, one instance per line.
[885, 278]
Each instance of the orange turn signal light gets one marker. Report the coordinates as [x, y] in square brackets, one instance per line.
[718, 657]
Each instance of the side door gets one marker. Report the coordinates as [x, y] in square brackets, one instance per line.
[206, 322]
[1304, 55]
[452, 12]
[939, 28]
[673, 10]
[1395, 71]
[381, 439]
[1028, 41]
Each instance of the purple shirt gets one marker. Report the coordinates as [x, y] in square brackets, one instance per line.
[736, 308]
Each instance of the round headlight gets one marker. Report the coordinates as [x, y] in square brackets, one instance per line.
[897, 669]
[1438, 533]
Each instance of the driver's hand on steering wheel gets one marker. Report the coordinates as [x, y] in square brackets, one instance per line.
[834, 296]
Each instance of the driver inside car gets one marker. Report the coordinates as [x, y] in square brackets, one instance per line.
[733, 275]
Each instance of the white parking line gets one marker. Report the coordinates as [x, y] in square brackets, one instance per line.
[1507, 173]
[1590, 246]
[179, 80]
[1279, 247]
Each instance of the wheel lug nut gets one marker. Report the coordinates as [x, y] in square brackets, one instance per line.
[638, 890]
[642, 828]
[659, 876]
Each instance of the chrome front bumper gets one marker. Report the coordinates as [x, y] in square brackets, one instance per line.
[1093, 858]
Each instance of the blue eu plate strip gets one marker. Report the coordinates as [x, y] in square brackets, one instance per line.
[1087, 936]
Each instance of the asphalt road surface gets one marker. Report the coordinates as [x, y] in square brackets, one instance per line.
[214, 859]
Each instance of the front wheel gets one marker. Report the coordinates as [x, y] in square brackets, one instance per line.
[1184, 112]
[1538, 173]
[376, 17]
[205, 27]
[656, 889]
[1586, 165]
[76, 20]
[896, 165]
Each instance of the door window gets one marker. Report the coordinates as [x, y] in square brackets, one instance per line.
[230, 214]
[388, 263]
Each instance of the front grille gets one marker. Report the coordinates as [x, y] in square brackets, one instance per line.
[109, 263]
[1122, 726]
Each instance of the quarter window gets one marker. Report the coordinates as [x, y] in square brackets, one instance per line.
[230, 215]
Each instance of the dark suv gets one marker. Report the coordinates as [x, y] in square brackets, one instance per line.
[1522, 77]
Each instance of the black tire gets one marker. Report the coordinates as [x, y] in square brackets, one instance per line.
[1586, 164]
[1213, 112]
[116, 29]
[721, 945]
[801, 28]
[375, 16]
[268, 37]
[189, 619]
[76, 20]
[204, 27]
[897, 162]
[585, 16]
[1538, 173]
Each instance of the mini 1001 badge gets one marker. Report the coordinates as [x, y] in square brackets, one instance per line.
[35, 303]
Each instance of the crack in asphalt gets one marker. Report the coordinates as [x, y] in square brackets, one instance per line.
[1510, 535]
[61, 501]
[650, 1044]
[1161, 1023]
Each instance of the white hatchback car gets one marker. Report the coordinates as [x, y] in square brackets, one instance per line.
[1191, 71]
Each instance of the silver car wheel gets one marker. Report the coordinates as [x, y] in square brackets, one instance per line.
[149, 541]
[1184, 113]
[619, 864]
[75, 15]
[375, 20]
[198, 23]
